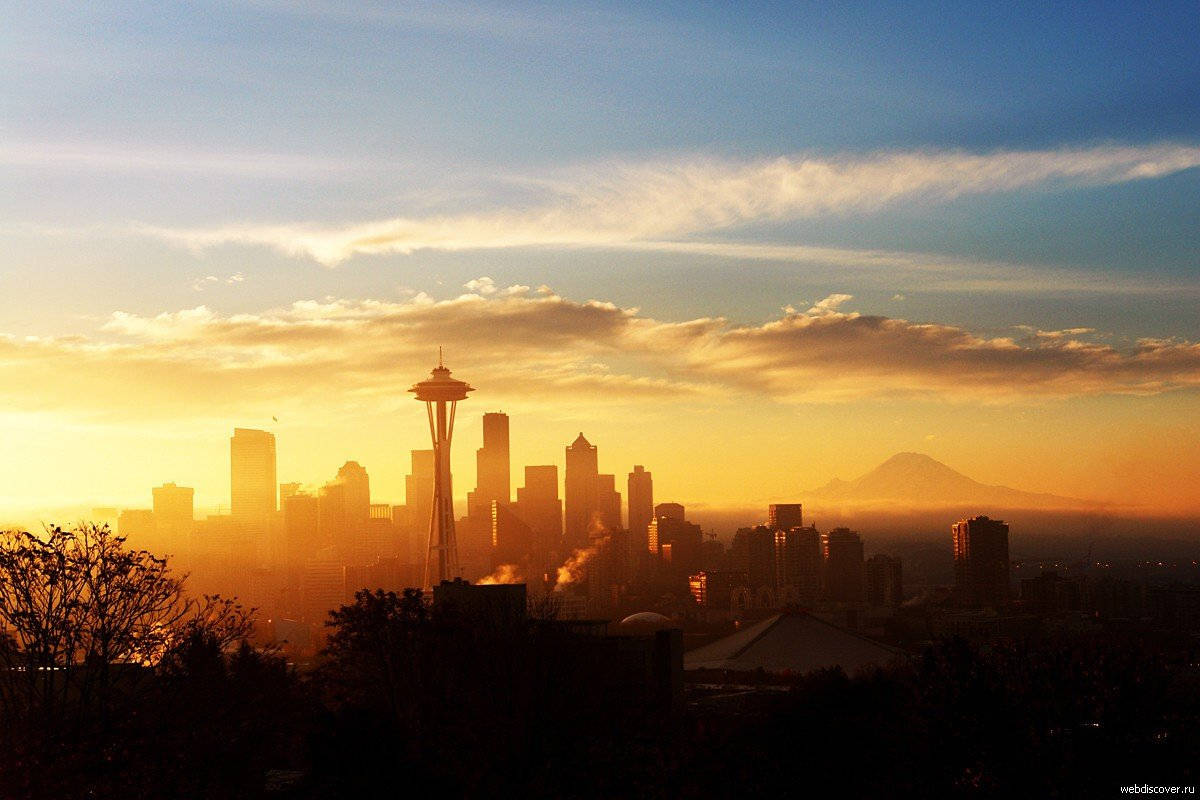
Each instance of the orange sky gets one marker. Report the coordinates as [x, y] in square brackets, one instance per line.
[723, 414]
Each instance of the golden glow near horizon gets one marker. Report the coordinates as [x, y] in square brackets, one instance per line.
[725, 415]
[750, 262]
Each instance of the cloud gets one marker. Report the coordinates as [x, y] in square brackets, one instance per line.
[487, 287]
[200, 284]
[544, 349]
[830, 304]
[666, 205]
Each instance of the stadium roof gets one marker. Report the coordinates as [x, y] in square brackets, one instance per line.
[792, 642]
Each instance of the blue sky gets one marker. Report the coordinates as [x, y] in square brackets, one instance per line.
[997, 168]
[211, 113]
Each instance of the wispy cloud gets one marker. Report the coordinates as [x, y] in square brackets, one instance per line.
[540, 348]
[200, 284]
[667, 205]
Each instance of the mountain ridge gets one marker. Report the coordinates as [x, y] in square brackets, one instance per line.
[918, 479]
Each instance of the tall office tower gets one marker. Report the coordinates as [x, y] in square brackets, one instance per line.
[676, 542]
[608, 503]
[301, 519]
[323, 585]
[981, 561]
[672, 510]
[512, 538]
[785, 516]
[418, 491]
[539, 506]
[641, 507]
[493, 480]
[331, 514]
[842, 549]
[173, 515]
[798, 563]
[753, 553]
[581, 483]
[441, 394]
[357, 492]
[885, 585]
[252, 475]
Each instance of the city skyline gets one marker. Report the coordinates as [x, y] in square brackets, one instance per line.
[831, 377]
[975, 233]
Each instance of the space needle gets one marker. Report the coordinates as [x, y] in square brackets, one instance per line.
[436, 391]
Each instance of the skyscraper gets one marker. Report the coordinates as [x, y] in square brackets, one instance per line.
[672, 510]
[173, 510]
[252, 476]
[753, 553]
[418, 491]
[358, 492]
[785, 516]
[539, 506]
[798, 563]
[843, 552]
[885, 586]
[676, 542]
[301, 516]
[582, 485]
[608, 504]
[641, 506]
[981, 565]
[441, 393]
[513, 539]
[493, 480]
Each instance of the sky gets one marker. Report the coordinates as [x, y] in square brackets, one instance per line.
[752, 246]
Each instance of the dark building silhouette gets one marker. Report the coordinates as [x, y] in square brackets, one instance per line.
[672, 510]
[513, 540]
[492, 464]
[842, 549]
[677, 543]
[719, 590]
[581, 488]
[981, 564]
[1050, 592]
[884, 579]
[785, 516]
[753, 552]
[252, 476]
[608, 503]
[541, 509]
[640, 499]
[798, 564]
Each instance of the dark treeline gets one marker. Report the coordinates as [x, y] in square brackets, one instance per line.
[116, 685]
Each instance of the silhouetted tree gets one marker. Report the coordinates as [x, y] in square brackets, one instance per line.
[102, 644]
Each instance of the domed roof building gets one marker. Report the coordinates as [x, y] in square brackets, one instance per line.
[646, 621]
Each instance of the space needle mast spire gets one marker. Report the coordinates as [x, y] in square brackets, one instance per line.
[436, 392]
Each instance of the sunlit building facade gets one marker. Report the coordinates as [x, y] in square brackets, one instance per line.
[581, 484]
[252, 476]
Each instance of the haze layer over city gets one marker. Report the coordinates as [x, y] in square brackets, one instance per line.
[442, 386]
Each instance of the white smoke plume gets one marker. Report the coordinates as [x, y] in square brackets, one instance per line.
[505, 573]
